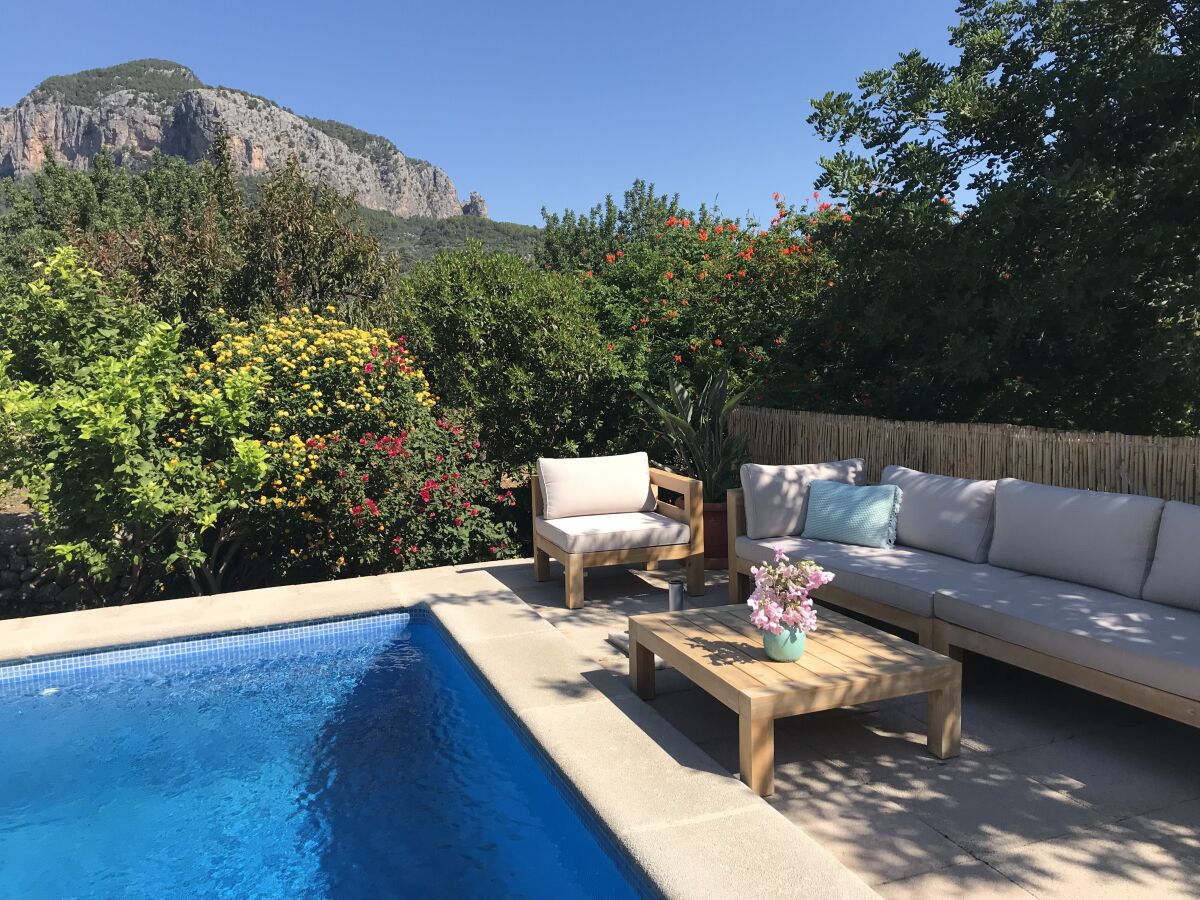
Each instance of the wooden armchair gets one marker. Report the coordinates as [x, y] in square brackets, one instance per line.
[595, 534]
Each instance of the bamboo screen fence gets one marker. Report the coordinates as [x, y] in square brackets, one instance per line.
[1167, 467]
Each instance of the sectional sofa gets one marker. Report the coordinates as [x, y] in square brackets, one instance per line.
[1098, 590]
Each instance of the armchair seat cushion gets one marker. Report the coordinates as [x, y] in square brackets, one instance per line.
[1138, 640]
[613, 531]
[900, 577]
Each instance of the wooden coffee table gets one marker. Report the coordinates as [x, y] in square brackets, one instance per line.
[844, 663]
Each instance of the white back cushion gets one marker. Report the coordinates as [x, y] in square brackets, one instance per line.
[596, 485]
[1175, 573]
[776, 497]
[951, 516]
[1089, 537]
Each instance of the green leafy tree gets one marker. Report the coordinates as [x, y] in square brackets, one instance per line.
[304, 246]
[64, 319]
[184, 242]
[1066, 293]
[572, 241]
[517, 350]
[117, 494]
[694, 298]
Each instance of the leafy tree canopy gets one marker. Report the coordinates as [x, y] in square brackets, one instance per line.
[1066, 294]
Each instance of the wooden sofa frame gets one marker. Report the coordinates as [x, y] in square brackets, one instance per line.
[952, 640]
[692, 514]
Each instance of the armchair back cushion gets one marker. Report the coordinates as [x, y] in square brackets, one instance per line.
[596, 485]
[1089, 537]
[1175, 573]
[776, 497]
[950, 516]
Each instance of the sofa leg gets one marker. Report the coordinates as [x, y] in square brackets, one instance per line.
[940, 643]
[740, 586]
[574, 568]
[695, 575]
[652, 565]
[541, 564]
[925, 634]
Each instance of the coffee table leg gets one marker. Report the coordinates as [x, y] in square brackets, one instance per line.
[756, 751]
[641, 667]
[945, 717]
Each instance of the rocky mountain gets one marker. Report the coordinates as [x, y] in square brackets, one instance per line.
[138, 107]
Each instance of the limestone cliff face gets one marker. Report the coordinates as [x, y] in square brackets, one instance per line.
[475, 206]
[74, 134]
[133, 123]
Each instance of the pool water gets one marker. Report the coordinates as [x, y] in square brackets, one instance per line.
[352, 760]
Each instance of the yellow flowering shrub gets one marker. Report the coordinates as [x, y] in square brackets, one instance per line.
[363, 475]
[298, 448]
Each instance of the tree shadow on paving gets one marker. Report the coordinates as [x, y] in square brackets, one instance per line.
[862, 782]
[610, 592]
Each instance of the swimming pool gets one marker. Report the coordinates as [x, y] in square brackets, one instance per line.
[357, 758]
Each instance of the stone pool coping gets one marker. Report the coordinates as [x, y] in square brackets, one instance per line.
[691, 827]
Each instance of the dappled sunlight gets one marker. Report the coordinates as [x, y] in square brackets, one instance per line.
[1040, 795]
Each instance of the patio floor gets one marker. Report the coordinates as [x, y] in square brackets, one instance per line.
[1057, 793]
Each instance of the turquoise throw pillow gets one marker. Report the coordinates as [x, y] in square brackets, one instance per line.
[852, 514]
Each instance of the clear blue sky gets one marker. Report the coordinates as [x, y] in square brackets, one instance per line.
[530, 104]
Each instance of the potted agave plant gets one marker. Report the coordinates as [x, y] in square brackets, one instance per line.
[697, 424]
[781, 605]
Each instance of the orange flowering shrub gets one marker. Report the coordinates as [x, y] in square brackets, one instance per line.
[698, 293]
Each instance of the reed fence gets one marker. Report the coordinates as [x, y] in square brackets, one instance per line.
[1167, 467]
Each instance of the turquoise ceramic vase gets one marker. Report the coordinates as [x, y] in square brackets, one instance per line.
[787, 646]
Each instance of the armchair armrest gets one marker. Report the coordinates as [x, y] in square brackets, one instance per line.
[539, 499]
[673, 481]
[735, 502]
[692, 513]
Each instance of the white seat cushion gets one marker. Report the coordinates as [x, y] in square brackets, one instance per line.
[1086, 537]
[900, 577]
[1140, 641]
[613, 531]
[592, 486]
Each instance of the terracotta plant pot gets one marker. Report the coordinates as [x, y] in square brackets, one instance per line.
[716, 536]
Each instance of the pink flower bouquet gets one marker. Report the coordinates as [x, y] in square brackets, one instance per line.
[781, 595]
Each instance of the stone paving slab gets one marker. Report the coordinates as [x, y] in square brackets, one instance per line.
[879, 839]
[974, 879]
[1112, 861]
